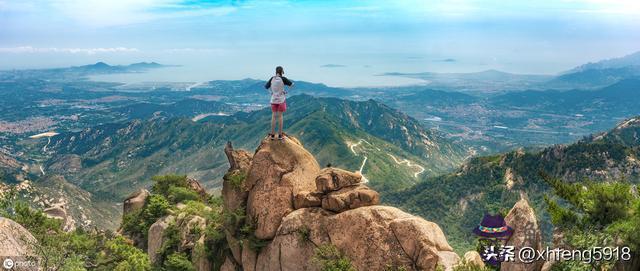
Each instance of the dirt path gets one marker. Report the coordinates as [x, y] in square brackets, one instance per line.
[364, 161]
[409, 164]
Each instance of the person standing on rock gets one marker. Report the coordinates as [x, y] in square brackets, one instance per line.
[278, 102]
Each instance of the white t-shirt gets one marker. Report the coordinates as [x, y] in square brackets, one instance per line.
[276, 85]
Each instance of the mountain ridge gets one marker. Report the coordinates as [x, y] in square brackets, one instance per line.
[113, 159]
[493, 182]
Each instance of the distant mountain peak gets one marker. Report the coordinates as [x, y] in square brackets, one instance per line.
[632, 59]
[493, 71]
[146, 64]
[99, 64]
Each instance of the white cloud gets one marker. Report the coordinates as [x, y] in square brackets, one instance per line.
[196, 50]
[88, 51]
[99, 13]
[620, 7]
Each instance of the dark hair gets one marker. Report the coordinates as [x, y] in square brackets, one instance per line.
[279, 70]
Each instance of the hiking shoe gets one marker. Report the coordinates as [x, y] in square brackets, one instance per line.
[272, 136]
[281, 137]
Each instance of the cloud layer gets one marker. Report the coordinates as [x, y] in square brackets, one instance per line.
[88, 51]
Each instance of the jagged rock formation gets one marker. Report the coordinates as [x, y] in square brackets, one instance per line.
[341, 190]
[181, 228]
[197, 187]
[526, 233]
[59, 211]
[156, 237]
[135, 201]
[15, 241]
[235, 193]
[293, 207]
[279, 170]
[187, 225]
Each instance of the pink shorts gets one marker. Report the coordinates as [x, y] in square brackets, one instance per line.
[279, 107]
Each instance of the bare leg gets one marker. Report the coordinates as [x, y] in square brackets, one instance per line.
[280, 120]
[273, 123]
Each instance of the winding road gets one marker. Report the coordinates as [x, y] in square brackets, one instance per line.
[406, 162]
[364, 161]
[44, 149]
[409, 164]
[48, 135]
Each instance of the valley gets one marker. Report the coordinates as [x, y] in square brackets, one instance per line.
[90, 144]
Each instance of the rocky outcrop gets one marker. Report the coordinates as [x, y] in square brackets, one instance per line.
[306, 199]
[135, 201]
[197, 187]
[337, 190]
[188, 229]
[234, 185]
[59, 211]
[15, 241]
[373, 238]
[234, 197]
[187, 226]
[279, 170]
[238, 159]
[350, 198]
[526, 233]
[333, 179]
[156, 237]
[295, 207]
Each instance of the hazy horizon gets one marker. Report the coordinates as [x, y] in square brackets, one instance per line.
[340, 43]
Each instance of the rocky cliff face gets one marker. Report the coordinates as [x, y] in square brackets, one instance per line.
[526, 233]
[15, 241]
[293, 207]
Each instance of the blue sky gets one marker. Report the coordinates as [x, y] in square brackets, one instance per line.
[337, 42]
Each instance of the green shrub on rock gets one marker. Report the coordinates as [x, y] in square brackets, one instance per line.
[178, 262]
[162, 184]
[178, 194]
[328, 258]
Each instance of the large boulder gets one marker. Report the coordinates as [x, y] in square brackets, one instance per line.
[350, 198]
[280, 169]
[373, 238]
[59, 211]
[300, 233]
[194, 185]
[306, 199]
[526, 233]
[332, 179]
[367, 237]
[15, 242]
[190, 228]
[156, 237]
[448, 260]
[295, 207]
[135, 201]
